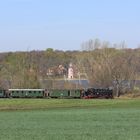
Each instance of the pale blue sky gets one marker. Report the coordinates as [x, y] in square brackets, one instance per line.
[65, 24]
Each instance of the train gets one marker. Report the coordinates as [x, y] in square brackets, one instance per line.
[90, 93]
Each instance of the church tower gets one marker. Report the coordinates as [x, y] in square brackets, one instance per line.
[70, 71]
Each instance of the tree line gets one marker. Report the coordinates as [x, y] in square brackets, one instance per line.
[105, 65]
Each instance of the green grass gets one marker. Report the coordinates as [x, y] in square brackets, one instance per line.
[35, 104]
[40, 119]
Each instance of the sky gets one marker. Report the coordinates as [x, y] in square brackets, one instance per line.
[27, 25]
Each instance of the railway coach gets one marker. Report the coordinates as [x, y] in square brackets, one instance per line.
[44, 93]
[24, 93]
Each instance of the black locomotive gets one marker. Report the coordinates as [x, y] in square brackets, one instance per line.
[105, 93]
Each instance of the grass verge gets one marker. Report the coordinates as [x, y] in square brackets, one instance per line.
[31, 104]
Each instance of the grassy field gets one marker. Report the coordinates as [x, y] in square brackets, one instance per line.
[40, 119]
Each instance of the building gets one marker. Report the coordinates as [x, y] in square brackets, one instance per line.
[70, 72]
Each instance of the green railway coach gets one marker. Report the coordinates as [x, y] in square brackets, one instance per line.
[29, 93]
[55, 93]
